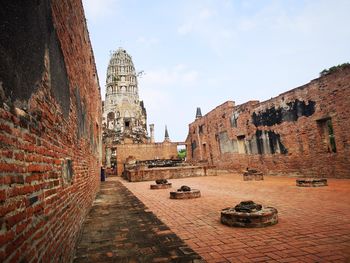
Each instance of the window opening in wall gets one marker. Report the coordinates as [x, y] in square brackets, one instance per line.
[327, 134]
[241, 144]
[127, 124]
[193, 147]
[205, 150]
[181, 152]
[234, 119]
[331, 136]
[200, 129]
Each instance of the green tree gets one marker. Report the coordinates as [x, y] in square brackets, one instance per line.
[181, 154]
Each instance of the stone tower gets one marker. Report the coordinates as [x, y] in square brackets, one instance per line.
[124, 115]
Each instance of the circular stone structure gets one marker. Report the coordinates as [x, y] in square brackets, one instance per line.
[185, 192]
[161, 184]
[311, 182]
[249, 214]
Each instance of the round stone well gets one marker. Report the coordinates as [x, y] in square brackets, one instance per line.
[185, 192]
[249, 214]
[161, 184]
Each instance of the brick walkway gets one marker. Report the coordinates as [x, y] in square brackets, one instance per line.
[120, 229]
[314, 223]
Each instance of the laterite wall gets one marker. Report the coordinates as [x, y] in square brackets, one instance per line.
[302, 132]
[50, 122]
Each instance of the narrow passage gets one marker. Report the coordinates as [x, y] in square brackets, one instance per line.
[119, 228]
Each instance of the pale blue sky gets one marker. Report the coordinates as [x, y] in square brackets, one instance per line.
[201, 53]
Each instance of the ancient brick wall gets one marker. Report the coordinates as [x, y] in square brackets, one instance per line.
[152, 174]
[304, 131]
[143, 152]
[50, 110]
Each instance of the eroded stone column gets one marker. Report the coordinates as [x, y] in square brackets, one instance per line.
[151, 131]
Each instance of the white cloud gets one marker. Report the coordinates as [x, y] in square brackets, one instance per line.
[185, 28]
[149, 42]
[206, 13]
[207, 24]
[96, 9]
[190, 77]
[158, 87]
[288, 23]
[246, 25]
[196, 21]
[155, 99]
[180, 74]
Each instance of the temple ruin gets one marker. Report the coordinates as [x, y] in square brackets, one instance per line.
[124, 116]
[56, 134]
[124, 121]
[301, 132]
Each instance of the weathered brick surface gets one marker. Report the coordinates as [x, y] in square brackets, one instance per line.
[313, 222]
[287, 134]
[119, 228]
[160, 186]
[50, 129]
[152, 174]
[143, 152]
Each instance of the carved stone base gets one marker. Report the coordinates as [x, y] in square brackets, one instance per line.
[241, 216]
[311, 182]
[253, 177]
[194, 193]
[160, 186]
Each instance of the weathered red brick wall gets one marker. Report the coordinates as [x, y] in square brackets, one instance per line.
[289, 134]
[50, 110]
[144, 152]
[152, 174]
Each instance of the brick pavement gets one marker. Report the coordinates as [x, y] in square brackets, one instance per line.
[314, 223]
[119, 228]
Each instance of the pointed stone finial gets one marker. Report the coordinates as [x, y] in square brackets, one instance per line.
[198, 113]
[166, 135]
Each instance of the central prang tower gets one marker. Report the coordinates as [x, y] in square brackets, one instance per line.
[124, 115]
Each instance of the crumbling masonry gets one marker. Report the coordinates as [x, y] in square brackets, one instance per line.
[50, 136]
[304, 131]
[50, 130]
[124, 119]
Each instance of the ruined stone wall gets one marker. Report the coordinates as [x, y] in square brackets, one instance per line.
[50, 110]
[143, 152]
[304, 131]
[152, 174]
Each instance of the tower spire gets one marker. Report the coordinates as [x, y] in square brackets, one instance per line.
[123, 111]
[198, 113]
[166, 135]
